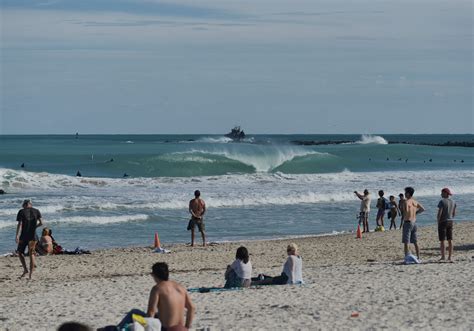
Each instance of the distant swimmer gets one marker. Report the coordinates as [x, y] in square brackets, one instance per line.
[399, 159]
[462, 161]
[125, 175]
[2, 191]
[388, 159]
[77, 135]
[111, 160]
[78, 174]
[22, 165]
[370, 159]
[431, 160]
[406, 160]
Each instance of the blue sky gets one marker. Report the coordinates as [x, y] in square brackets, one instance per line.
[145, 66]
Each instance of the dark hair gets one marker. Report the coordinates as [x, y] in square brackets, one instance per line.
[400, 195]
[197, 193]
[160, 270]
[410, 190]
[391, 197]
[242, 254]
[381, 193]
[74, 326]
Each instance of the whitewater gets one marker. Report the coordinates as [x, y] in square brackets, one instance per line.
[264, 188]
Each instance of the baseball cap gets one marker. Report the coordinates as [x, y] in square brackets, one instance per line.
[447, 191]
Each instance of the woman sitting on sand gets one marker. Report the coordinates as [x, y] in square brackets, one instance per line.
[239, 273]
[292, 270]
[45, 246]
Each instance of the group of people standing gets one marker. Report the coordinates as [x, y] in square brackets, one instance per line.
[408, 208]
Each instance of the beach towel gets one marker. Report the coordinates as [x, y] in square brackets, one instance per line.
[212, 289]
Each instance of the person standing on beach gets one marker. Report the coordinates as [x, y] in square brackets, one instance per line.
[446, 213]
[401, 204]
[380, 209]
[411, 209]
[364, 209]
[167, 300]
[28, 220]
[197, 208]
[392, 214]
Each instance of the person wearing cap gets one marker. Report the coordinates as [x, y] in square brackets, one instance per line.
[28, 219]
[197, 208]
[364, 209]
[446, 213]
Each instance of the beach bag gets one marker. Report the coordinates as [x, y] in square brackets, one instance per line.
[57, 249]
[411, 259]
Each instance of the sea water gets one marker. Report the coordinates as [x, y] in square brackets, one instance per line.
[265, 186]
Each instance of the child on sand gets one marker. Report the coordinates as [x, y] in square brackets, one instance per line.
[392, 214]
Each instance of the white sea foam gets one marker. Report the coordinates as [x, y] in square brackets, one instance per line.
[260, 189]
[100, 219]
[215, 140]
[370, 139]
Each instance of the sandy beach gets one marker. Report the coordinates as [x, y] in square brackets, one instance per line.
[343, 275]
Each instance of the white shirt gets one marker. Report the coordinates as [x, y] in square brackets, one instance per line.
[295, 276]
[365, 204]
[243, 270]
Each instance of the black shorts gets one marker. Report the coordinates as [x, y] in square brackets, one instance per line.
[23, 243]
[445, 230]
[199, 223]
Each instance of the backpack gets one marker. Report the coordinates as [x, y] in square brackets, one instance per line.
[386, 204]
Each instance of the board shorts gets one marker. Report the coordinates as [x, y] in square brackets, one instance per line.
[199, 223]
[23, 243]
[445, 230]
[380, 213]
[409, 232]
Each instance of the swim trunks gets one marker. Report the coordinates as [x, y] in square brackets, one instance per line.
[445, 230]
[409, 232]
[196, 222]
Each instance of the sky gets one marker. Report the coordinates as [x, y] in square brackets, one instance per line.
[161, 67]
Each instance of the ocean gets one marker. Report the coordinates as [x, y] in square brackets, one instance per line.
[266, 186]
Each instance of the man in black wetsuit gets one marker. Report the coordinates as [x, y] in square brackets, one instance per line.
[28, 220]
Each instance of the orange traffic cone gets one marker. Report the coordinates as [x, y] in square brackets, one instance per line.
[359, 233]
[157, 241]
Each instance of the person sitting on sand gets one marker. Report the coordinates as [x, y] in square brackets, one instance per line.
[239, 273]
[168, 299]
[392, 214]
[45, 245]
[292, 270]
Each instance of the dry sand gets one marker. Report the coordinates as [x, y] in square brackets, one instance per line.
[343, 275]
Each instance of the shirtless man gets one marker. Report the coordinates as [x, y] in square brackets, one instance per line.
[197, 208]
[411, 208]
[28, 220]
[168, 300]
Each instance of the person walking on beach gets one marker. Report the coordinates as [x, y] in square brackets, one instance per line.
[392, 214]
[168, 299]
[401, 204]
[28, 219]
[446, 213]
[197, 208]
[411, 209]
[380, 209]
[364, 209]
